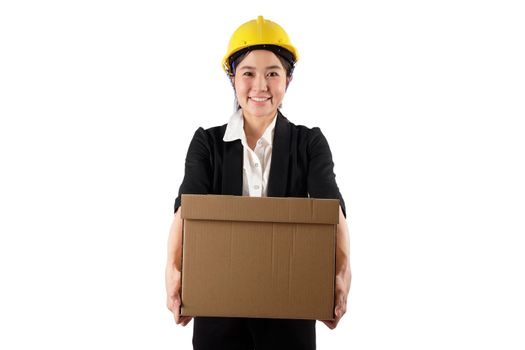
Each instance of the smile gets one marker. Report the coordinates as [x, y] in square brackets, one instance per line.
[260, 99]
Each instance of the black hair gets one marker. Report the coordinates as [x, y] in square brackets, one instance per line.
[285, 56]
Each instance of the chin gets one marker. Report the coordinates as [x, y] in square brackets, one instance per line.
[262, 112]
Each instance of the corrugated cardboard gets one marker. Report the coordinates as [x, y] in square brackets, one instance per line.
[258, 257]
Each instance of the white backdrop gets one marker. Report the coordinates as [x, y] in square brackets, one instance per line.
[423, 107]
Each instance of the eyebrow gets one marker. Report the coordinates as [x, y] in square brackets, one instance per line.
[269, 67]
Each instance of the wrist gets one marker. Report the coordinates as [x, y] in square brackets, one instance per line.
[172, 267]
[344, 273]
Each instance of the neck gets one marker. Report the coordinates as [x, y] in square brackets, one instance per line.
[254, 127]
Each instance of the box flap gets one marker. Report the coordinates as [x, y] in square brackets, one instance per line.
[260, 209]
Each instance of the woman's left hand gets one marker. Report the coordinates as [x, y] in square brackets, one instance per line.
[343, 276]
[342, 287]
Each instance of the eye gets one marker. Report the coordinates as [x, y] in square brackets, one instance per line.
[273, 74]
[247, 74]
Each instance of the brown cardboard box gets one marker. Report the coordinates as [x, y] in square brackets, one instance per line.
[258, 257]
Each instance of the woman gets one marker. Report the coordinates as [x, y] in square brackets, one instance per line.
[258, 153]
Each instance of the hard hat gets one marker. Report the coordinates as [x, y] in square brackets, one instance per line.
[260, 33]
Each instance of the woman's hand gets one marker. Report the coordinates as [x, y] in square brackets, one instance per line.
[342, 287]
[343, 275]
[173, 285]
[173, 267]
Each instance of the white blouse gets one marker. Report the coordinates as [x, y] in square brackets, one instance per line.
[256, 162]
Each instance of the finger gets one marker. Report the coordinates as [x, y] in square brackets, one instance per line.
[330, 324]
[178, 317]
[335, 322]
[340, 307]
[340, 310]
[172, 303]
[186, 320]
[176, 309]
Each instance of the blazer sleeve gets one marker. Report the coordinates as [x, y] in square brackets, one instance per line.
[321, 177]
[198, 169]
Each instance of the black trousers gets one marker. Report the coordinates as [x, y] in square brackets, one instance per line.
[216, 333]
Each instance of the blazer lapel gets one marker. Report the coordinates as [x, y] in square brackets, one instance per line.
[280, 158]
[232, 168]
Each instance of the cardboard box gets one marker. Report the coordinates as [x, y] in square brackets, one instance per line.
[258, 257]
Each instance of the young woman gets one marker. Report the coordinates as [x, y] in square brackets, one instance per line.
[258, 153]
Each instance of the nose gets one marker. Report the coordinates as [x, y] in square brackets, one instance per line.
[260, 83]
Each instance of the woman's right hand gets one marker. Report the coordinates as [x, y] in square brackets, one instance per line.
[173, 286]
[173, 267]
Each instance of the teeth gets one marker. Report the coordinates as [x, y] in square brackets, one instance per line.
[259, 99]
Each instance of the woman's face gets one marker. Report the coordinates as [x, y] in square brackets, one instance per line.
[260, 84]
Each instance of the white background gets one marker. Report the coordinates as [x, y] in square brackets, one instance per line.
[422, 103]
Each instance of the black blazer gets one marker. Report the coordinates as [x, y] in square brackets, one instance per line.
[301, 165]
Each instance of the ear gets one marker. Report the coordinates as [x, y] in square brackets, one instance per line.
[288, 81]
[232, 80]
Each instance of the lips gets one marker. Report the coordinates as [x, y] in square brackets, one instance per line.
[260, 99]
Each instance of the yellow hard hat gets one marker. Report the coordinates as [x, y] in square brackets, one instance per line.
[258, 32]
